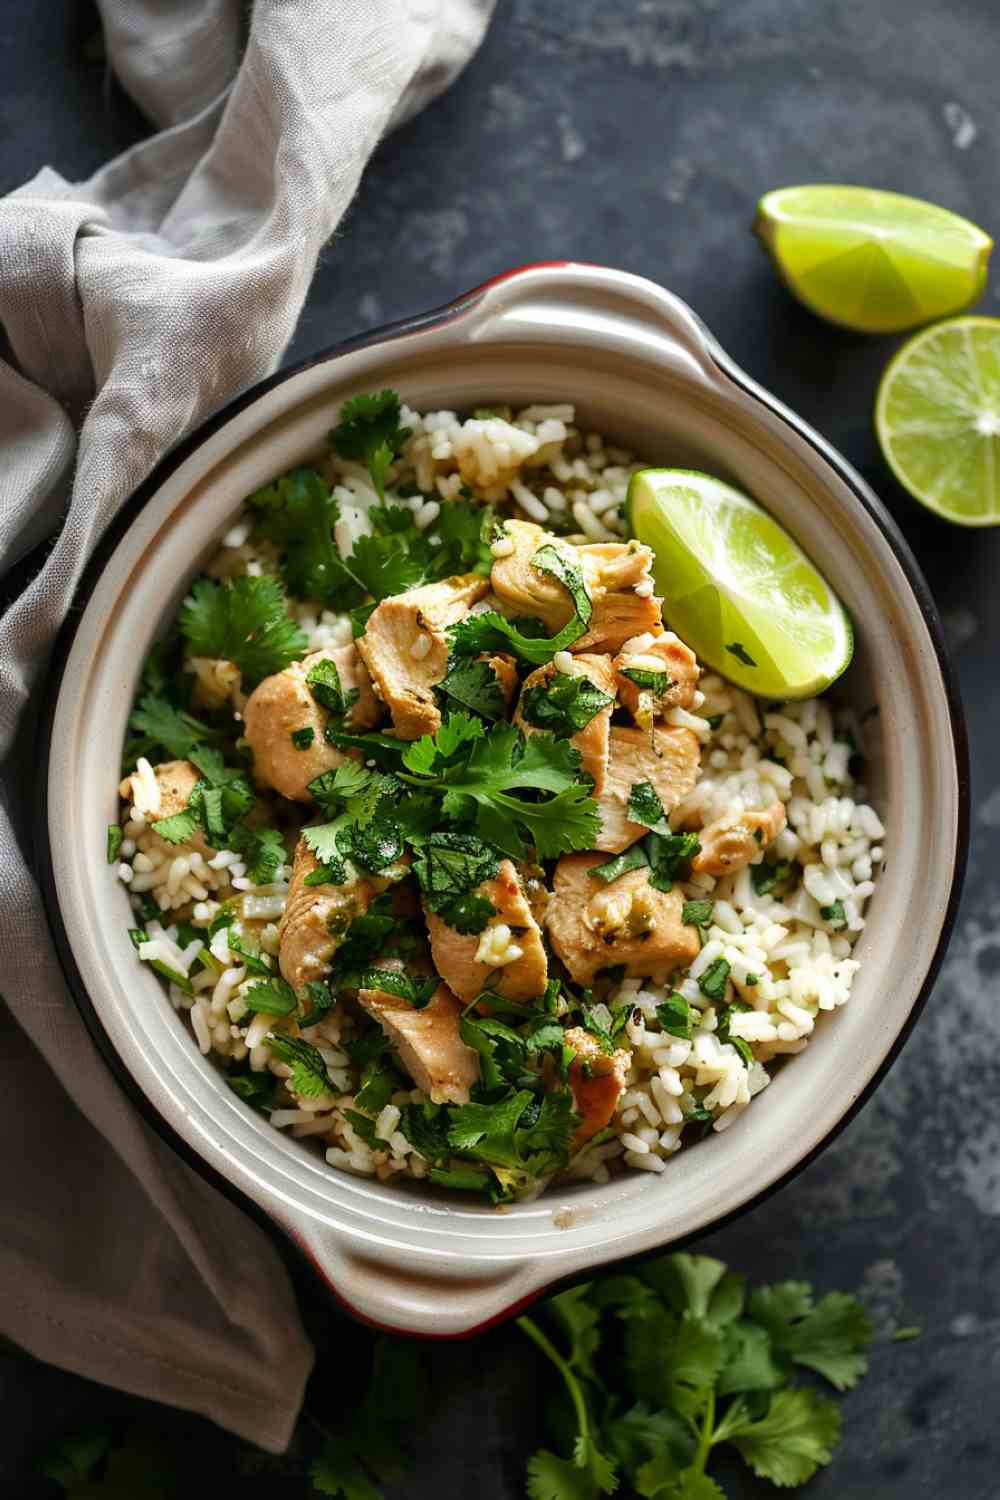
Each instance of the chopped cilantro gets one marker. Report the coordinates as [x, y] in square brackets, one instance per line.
[713, 980]
[114, 843]
[697, 913]
[365, 1127]
[677, 1016]
[245, 621]
[765, 876]
[323, 681]
[263, 851]
[418, 992]
[369, 431]
[271, 997]
[379, 1081]
[549, 559]
[255, 1089]
[449, 867]
[321, 999]
[251, 957]
[161, 723]
[302, 738]
[656, 683]
[490, 632]
[669, 857]
[644, 806]
[306, 1061]
[835, 915]
[714, 720]
[178, 828]
[633, 858]
[565, 704]
[464, 1179]
[138, 935]
[474, 685]
[741, 653]
[724, 1033]
[298, 513]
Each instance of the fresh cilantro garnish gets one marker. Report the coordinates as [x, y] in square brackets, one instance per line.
[250, 956]
[335, 789]
[479, 775]
[650, 682]
[765, 876]
[714, 720]
[463, 1179]
[471, 1123]
[697, 913]
[139, 935]
[321, 999]
[644, 806]
[163, 724]
[549, 559]
[713, 980]
[255, 1089]
[369, 431]
[669, 857]
[835, 915]
[417, 991]
[490, 632]
[379, 1081]
[678, 1016]
[564, 705]
[302, 738]
[298, 513]
[474, 685]
[114, 843]
[263, 851]
[271, 997]
[735, 648]
[178, 828]
[634, 858]
[449, 867]
[323, 681]
[245, 621]
[306, 1061]
[724, 1033]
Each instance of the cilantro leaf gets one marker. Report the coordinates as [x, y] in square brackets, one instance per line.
[323, 681]
[644, 806]
[298, 513]
[470, 1123]
[245, 621]
[634, 858]
[835, 915]
[766, 876]
[554, 1478]
[168, 726]
[649, 681]
[337, 1471]
[263, 851]
[713, 980]
[564, 705]
[474, 685]
[697, 913]
[302, 738]
[306, 1061]
[419, 992]
[369, 431]
[490, 632]
[669, 856]
[114, 842]
[677, 1016]
[828, 1337]
[449, 868]
[550, 559]
[795, 1438]
[735, 648]
[178, 828]
[271, 997]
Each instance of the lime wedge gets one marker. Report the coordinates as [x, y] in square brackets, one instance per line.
[937, 416]
[873, 261]
[736, 587]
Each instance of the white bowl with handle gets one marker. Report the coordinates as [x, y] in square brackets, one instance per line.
[642, 368]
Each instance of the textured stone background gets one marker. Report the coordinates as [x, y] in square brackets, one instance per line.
[639, 133]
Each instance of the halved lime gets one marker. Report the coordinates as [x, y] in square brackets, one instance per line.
[736, 586]
[937, 416]
[869, 260]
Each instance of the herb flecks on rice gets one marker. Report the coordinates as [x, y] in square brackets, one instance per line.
[378, 905]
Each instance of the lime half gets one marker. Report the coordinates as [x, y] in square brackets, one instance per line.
[937, 416]
[873, 261]
[737, 588]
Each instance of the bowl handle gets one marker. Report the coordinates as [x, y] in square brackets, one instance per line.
[592, 305]
[396, 1294]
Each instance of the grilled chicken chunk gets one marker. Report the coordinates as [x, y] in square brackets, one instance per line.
[592, 740]
[667, 758]
[519, 977]
[610, 571]
[655, 654]
[505, 672]
[427, 1042]
[405, 647]
[593, 925]
[597, 1081]
[175, 781]
[317, 917]
[284, 703]
[730, 843]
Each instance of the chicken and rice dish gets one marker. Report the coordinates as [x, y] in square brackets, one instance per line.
[444, 844]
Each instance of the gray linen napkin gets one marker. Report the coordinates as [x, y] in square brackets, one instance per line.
[134, 304]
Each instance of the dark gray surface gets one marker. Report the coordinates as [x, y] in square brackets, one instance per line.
[639, 134]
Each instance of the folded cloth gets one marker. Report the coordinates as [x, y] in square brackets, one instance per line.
[133, 305]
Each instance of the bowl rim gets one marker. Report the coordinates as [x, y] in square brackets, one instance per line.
[44, 864]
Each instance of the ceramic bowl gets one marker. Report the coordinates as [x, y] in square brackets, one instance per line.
[640, 366]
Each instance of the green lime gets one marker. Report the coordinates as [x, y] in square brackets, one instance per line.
[937, 416]
[736, 586]
[873, 261]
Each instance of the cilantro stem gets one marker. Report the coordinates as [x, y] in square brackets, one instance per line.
[531, 1328]
[707, 1436]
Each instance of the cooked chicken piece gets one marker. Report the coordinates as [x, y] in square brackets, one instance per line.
[730, 843]
[592, 740]
[284, 704]
[175, 781]
[513, 964]
[427, 1042]
[594, 925]
[657, 654]
[405, 647]
[317, 917]
[217, 682]
[667, 758]
[598, 1082]
[505, 672]
[611, 571]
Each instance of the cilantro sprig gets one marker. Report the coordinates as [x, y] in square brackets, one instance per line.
[245, 621]
[370, 431]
